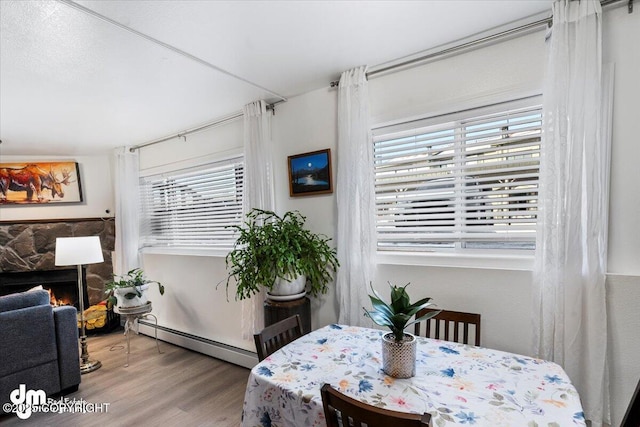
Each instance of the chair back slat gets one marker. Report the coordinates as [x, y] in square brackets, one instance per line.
[454, 323]
[465, 336]
[276, 336]
[343, 411]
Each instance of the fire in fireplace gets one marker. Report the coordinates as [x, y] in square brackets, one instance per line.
[59, 298]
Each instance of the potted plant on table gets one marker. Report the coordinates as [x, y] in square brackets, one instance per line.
[280, 255]
[398, 347]
[129, 290]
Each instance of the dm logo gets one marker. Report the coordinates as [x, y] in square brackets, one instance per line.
[25, 400]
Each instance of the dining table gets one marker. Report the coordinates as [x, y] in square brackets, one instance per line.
[458, 384]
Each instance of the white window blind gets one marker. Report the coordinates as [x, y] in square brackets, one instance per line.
[193, 208]
[462, 181]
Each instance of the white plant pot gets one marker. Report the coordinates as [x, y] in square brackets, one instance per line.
[133, 302]
[399, 358]
[283, 288]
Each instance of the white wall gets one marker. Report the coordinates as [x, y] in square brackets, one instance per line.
[192, 302]
[97, 187]
[303, 124]
[308, 122]
[621, 35]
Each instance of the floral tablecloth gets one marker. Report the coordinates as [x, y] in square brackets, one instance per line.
[455, 383]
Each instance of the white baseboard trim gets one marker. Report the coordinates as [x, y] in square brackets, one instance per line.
[235, 355]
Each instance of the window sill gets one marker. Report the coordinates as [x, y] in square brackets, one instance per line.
[210, 252]
[494, 261]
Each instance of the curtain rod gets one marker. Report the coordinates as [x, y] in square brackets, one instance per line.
[464, 46]
[474, 43]
[456, 48]
[216, 122]
[604, 3]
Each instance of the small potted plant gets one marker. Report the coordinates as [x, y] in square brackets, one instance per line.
[280, 255]
[398, 346]
[129, 290]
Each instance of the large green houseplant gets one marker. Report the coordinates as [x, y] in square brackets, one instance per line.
[398, 346]
[271, 248]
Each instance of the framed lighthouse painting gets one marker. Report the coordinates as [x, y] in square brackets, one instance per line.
[310, 173]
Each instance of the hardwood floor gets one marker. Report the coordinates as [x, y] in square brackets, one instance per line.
[177, 388]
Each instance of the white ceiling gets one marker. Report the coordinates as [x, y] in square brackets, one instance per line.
[74, 84]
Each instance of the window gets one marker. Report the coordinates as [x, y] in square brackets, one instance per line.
[467, 180]
[193, 208]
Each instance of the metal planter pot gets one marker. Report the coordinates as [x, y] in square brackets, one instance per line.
[399, 358]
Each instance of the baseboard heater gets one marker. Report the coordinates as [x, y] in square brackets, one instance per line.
[228, 353]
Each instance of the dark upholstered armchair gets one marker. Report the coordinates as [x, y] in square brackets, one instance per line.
[38, 345]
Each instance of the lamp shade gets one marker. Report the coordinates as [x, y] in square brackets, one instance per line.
[78, 250]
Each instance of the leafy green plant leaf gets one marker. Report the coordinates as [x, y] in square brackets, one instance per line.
[270, 247]
[397, 315]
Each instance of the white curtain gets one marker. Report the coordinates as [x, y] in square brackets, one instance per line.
[258, 191]
[127, 195]
[570, 318]
[258, 177]
[355, 198]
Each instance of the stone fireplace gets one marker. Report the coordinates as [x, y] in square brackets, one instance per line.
[28, 248]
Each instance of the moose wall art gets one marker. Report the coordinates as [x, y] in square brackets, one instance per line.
[39, 183]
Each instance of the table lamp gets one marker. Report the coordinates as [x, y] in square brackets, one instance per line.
[79, 251]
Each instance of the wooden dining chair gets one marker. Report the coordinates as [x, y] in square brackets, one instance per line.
[343, 411]
[632, 417]
[448, 323]
[276, 336]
